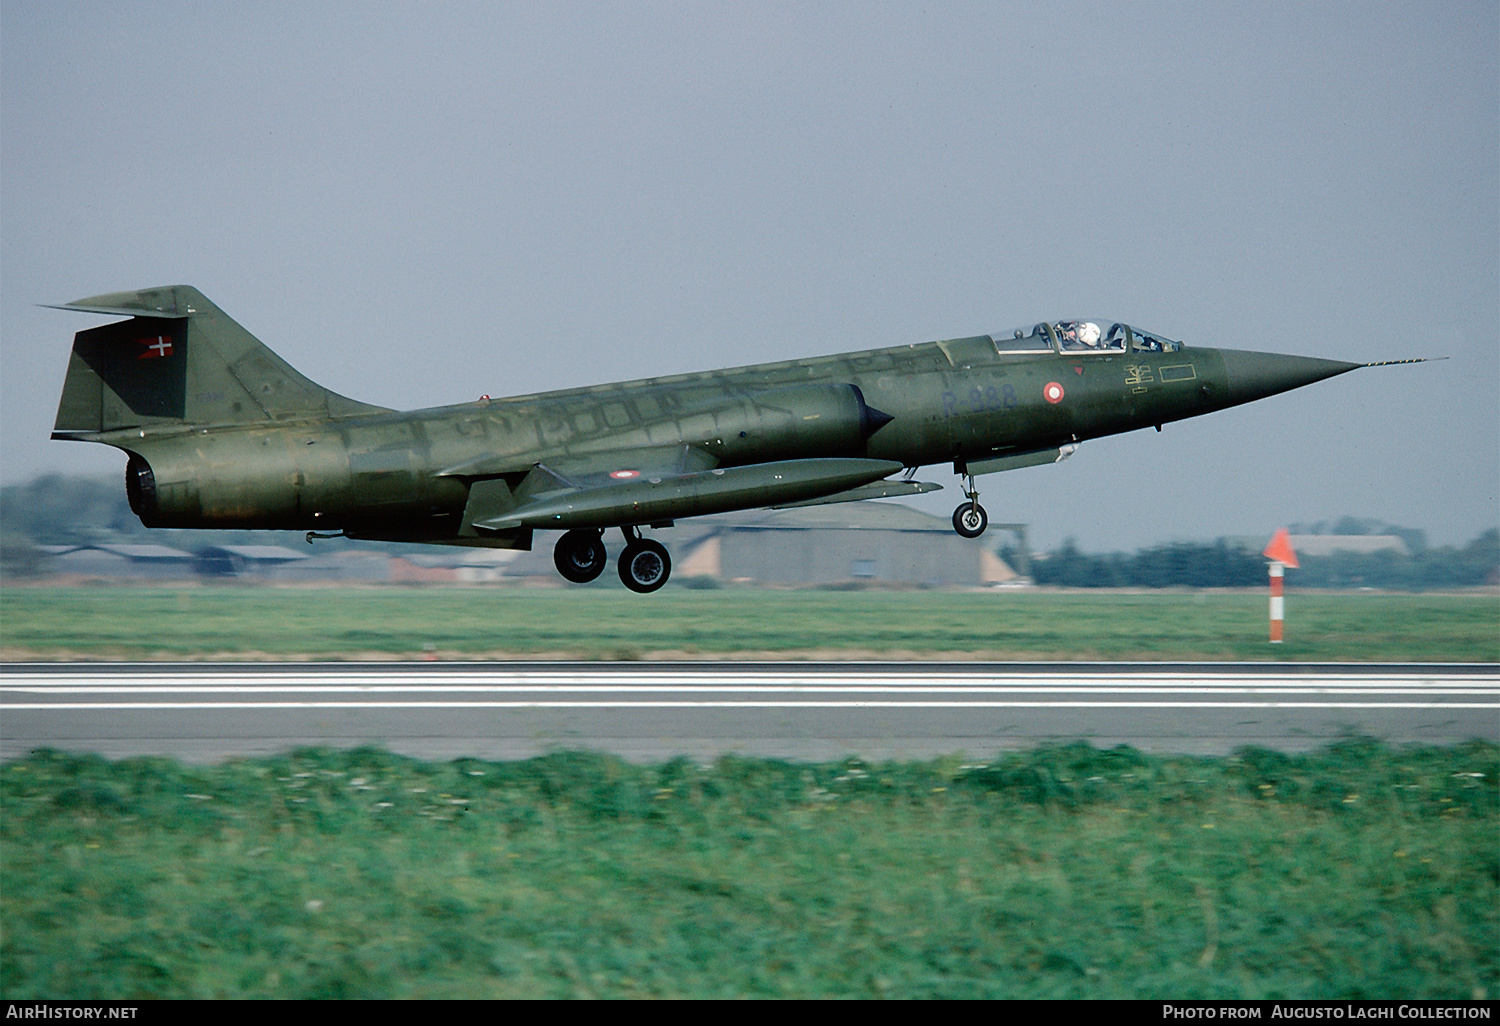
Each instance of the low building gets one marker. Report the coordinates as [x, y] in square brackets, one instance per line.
[452, 565]
[1327, 544]
[251, 562]
[347, 566]
[875, 543]
[1363, 544]
[127, 562]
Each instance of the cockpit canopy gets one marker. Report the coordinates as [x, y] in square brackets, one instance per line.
[1096, 335]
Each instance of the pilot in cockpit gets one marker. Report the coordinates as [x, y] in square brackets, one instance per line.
[1078, 334]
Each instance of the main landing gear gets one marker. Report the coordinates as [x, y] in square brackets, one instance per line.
[970, 519]
[580, 556]
[644, 565]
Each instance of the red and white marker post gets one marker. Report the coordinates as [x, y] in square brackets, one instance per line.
[1280, 553]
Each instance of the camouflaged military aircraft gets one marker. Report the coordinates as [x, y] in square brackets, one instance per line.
[222, 433]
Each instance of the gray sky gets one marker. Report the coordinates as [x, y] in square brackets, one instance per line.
[418, 203]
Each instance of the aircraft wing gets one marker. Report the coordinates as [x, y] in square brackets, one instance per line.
[653, 486]
[875, 490]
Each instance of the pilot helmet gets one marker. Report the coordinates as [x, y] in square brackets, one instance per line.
[1088, 333]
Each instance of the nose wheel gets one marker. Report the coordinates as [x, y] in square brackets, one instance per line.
[580, 556]
[970, 519]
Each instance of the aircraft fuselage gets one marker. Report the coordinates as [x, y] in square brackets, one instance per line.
[223, 434]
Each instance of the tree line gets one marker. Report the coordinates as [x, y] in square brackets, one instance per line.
[1221, 564]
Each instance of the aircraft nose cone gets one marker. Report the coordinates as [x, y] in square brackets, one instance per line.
[1252, 376]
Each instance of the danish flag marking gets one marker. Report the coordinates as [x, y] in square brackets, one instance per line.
[156, 348]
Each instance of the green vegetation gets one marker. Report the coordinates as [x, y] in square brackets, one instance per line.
[1475, 563]
[1221, 565]
[1356, 872]
[235, 623]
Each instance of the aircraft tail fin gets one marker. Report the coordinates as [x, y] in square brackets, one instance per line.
[179, 359]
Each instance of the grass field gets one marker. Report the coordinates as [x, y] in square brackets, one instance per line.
[406, 623]
[1355, 872]
[1358, 871]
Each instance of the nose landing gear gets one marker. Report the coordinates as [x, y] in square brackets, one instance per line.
[970, 519]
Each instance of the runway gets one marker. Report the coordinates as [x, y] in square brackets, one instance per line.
[649, 711]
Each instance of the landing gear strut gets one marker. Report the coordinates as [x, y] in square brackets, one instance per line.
[580, 556]
[970, 519]
[644, 565]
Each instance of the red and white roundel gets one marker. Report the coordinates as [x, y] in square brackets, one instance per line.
[1052, 392]
[624, 475]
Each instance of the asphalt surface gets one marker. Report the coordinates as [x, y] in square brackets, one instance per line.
[649, 711]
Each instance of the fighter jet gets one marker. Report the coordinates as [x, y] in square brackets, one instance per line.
[223, 433]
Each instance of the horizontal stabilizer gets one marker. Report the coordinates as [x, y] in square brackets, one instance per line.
[165, 302]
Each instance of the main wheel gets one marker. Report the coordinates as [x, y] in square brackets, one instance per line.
[580, 556]
[645, 566]
[970, 520]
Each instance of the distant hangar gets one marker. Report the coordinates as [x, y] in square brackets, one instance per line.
[854, 542]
